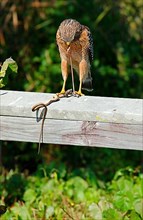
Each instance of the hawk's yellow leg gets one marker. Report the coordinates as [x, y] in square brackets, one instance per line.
[64, 68]
[83, 70]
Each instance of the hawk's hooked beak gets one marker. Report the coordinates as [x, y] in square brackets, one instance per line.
[68, 43]
[68, 46]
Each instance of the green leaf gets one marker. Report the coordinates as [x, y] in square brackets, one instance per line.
[29, 196]
[1, 83]
[134, 216]
[124, 185]
[21, 212]
[139, 207]
[9, 66]
[111, 214]
[95, 211]
[8, 63]
[49, 212]
[76, 187]
[122, 202]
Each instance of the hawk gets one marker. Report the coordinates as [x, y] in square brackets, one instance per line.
[75, 45]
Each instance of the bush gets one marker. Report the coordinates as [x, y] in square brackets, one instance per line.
[56, 194]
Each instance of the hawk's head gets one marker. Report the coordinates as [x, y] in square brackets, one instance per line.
[70, 30]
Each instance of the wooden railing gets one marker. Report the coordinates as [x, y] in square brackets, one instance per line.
[85, 121]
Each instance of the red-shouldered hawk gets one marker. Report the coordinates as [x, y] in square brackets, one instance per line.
[75, 44]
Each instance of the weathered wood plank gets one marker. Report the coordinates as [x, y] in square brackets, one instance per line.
[86, 108]
[87, 121]
[83, 133]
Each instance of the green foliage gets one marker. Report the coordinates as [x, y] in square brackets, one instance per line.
[14, 187]
[116, 27]
[46, 195]
[8, 67]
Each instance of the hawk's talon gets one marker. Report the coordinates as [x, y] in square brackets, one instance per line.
[77, 93]
[64, 93]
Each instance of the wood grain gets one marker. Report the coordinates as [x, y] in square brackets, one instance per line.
[83, 133]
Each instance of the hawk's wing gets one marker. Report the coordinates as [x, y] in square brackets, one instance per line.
[90, 47]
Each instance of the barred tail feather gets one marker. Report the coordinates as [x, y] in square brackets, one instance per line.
[87, 84]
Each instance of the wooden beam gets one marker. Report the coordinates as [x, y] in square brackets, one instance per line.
[86, 121]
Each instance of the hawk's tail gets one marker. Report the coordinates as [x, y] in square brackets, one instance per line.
[87, 84]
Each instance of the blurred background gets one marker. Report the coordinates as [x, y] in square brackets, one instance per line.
[27, 34]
